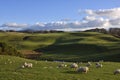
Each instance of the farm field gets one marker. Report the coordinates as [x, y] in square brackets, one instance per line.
[48, 70]
[53, 49]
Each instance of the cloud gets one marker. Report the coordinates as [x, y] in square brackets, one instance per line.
[102, 18]
[115, 21]
[39, 24]
[89, 18]
[14, 25]
[110, 13]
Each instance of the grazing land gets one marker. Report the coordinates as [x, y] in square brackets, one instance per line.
[73, 46]
[48, 70]
[52, 49]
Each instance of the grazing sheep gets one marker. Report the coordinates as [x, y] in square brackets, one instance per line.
[74, 65]
[117, 71]
[29, 65]
[65, 65]
[88, 64]
[83, 69]
[62, 65]
[99, 65]
[25, 64]
[22, 66]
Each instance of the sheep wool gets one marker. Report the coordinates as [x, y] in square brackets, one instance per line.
[74, 65]
[83, 69]
[117, 71]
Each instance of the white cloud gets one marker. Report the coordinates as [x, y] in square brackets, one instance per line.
[102, 18]
[110, 13]
[14, 25]
[89, 18]
[115, 21]
[39, 24]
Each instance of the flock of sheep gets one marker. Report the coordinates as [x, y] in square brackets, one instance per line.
[81, 69]
[86, 68]
[75, 66]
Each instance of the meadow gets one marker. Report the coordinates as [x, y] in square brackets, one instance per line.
[48, 70]
[67, 46]
[57, 48]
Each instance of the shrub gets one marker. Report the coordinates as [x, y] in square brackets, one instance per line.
[6, 49]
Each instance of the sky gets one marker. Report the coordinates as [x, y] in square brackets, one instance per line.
[59, 14]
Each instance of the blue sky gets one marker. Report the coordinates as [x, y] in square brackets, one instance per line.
[33, 12]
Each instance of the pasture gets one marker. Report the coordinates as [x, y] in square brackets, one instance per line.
[67, 46]
[48, 70]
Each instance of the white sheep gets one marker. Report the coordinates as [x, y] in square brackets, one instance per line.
[65, 65]
[74, 65]
[83, 69]
[98, 65]
[25, 64]
[22, 66]
[29, 65]
[62, 65]
[117, 71]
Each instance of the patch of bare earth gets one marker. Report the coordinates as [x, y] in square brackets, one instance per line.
[31, 54]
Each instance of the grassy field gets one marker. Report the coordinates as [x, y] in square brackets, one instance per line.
[42, 70]
[74, 46]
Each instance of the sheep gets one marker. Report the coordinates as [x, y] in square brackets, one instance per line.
[74, 65]
[22, 66]
[62, 65]
[29, 65]
[83, 69]
[88, 64]
[98, 65]
[65, 65]
[117, 71]
[25, 64]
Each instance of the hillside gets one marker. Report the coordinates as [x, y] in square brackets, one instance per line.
[74, 46]
[42, 70]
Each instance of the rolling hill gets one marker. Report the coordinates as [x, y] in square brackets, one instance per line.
[67, 46]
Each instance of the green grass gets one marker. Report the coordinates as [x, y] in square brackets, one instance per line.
[10, 71]
[69, 46]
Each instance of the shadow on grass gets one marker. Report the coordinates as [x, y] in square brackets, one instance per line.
[72, 72]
